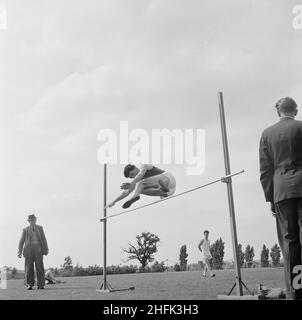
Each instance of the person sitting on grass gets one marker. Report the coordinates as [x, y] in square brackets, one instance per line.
[148, 180]
[50, 278]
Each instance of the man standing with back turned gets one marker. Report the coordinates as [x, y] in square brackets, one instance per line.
[280, 155]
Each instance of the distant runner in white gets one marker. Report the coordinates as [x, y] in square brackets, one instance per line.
[148, 180]
[204, 248]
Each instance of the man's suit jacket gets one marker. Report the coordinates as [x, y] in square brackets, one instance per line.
[280, 155]
[24, 243]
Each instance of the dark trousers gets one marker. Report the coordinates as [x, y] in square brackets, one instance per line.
[289, 229]
[35, 257]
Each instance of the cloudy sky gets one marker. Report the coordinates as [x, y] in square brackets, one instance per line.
[72, 68]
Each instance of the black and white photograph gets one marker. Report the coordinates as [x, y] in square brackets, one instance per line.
[150, 151]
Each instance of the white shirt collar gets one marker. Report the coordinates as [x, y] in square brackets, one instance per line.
[290, 117]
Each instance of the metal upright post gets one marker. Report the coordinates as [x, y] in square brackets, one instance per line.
[105, 230]
[230, 195]
[106, 287]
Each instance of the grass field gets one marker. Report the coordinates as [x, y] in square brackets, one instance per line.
[165, 286]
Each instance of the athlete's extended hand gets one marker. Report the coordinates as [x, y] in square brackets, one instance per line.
[111, 204]
[126, 186]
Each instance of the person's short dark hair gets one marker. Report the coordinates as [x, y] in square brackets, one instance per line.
[31, 217]
[127, 169]
[206, 231]
[286, 105]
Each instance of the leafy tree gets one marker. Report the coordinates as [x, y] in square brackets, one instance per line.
[177, 267]
[67, 265]
[264, 257]
[14, 272]
[183, 261]
[241, 255]
[249, 255]
[275, 255]
[144, 249]
[79, 271]
[56, 272]
[217, 252]
[158, 267]
[95, 270]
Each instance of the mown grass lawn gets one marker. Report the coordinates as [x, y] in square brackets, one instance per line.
[155, 286]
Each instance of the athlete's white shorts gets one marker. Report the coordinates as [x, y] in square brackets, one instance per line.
[163, 176]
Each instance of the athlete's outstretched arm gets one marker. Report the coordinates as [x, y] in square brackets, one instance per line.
[123, 195]
[141, 174]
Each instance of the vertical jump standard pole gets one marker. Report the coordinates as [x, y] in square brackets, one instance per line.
[106, 287]
[238, 283]
[105, 229]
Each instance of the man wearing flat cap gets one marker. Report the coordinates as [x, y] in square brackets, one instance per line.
[33, 245]
[281, 178]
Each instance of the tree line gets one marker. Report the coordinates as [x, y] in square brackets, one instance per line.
[145, 248]
[246, 257]
[69, 270]
[147, 245]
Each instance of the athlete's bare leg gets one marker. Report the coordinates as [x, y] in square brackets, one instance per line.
[146, 190]
[208, 268]
[155, 192]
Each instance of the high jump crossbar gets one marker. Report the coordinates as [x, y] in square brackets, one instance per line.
[223, 179]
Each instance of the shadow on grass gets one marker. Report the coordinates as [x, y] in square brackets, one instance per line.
[70, 288]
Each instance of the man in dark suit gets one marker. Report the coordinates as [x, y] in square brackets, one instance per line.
[33, 244]
[280, 154]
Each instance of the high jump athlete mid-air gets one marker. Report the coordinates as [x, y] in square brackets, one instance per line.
[148, 180]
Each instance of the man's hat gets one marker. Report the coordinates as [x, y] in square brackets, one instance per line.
[31, 217]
